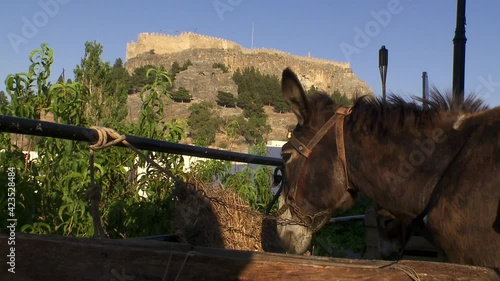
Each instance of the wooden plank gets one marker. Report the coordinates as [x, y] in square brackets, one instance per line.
[45, 257]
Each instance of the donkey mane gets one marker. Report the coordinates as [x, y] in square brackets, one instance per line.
[374, 115]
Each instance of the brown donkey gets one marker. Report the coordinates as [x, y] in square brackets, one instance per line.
[393, 235]
[430, 168]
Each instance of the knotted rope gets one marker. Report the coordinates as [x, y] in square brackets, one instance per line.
[412, 273]
[94, 191]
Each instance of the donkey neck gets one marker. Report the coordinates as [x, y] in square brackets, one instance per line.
[398, 165]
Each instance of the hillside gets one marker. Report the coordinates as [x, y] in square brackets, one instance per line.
[204, 51]
[278, 122]
[203, 81]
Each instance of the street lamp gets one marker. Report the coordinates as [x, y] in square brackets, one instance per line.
[459, 57]
[383, 55]
[425, 89]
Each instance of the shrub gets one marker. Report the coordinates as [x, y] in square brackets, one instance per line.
[220, 66]
[226, 99]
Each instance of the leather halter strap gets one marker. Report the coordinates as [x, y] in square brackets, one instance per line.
[306, 150]
[337, 119]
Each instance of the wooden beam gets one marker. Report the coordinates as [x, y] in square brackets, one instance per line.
[46, 257]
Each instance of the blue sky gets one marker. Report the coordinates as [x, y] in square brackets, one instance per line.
[417, 33]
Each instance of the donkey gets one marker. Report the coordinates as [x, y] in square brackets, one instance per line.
[393, 234]
[429, 167]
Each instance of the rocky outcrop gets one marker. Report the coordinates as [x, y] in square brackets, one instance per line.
[204, 51]
[203, 82]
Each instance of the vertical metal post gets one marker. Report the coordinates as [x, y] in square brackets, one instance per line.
[383, 55]
[425, 89]
[459, 57]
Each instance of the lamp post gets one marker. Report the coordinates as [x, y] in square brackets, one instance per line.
[383, 55]
[459, 57]
[425, 89]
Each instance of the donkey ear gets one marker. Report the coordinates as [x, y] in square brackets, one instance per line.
[295, 96]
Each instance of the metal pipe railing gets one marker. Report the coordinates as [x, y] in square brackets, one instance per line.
[9, 124]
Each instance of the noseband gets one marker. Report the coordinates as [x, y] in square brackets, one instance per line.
[336, 120]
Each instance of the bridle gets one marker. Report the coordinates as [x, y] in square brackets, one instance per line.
[336, 120]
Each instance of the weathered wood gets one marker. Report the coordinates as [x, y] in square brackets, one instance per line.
[45, 257]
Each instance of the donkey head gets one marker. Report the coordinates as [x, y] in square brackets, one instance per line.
[316, 179]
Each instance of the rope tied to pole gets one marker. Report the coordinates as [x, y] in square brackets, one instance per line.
[108, 137]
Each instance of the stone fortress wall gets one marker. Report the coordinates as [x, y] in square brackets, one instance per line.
[165, 44]
[162, 49]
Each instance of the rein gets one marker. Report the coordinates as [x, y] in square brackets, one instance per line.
[336, 120]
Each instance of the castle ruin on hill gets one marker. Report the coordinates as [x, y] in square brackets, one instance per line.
[203, 51]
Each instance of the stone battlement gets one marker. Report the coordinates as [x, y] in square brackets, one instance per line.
[160, 44]
[204, 51]
[166, 44]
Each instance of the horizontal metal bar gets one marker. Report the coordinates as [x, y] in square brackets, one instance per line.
[347, 219]
[9, 124]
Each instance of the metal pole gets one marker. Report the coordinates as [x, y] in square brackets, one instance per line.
[347, 219]
[383, 55]
[425, 89]
[9, 124]
[459, 57]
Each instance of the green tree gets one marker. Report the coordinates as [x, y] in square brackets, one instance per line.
[257, 128]
[312, 90]
[253, 129]
[176, 68]
[252, 104]
[340, 99]
[281, 106]
[139, 78]
[152, 112]
[220, 66]
[186, 64]
[50, 191]
[29, 91]
[204, 123]
[181, 95]
[106, 97]
[119, 74]
[267, 87]
[68, 103]
[225, 99]
[3, 99]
